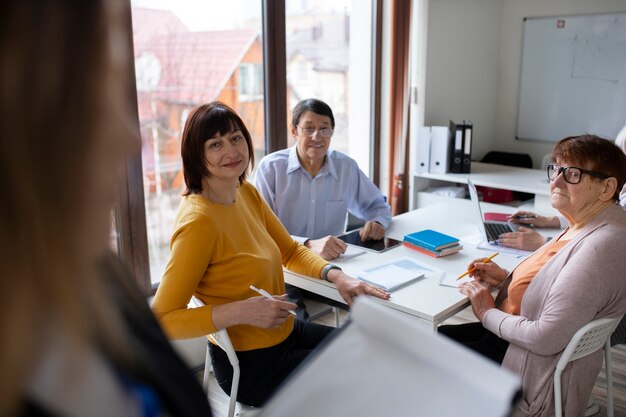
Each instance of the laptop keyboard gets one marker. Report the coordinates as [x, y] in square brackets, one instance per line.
[494, 230]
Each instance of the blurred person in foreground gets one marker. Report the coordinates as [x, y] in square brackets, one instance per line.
[79, 339]
[575, 278]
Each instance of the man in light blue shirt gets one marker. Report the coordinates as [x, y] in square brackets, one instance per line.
[311, 189]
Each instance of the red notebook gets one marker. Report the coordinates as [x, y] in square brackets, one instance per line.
[434, 254]
[496, 217]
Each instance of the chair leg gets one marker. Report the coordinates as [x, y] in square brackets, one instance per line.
[207, 370]
[558, 412]
[234, 388]
[608, 364]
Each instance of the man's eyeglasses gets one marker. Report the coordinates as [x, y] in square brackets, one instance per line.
[573, 175]
[310, 131]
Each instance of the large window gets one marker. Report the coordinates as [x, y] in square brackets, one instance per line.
[188, 53]
[329, 45]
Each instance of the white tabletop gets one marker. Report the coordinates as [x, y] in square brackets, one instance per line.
[425, 299]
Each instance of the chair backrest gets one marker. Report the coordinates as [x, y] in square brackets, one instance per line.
[547, 159]
[222, 339]
[587, 340]
[619, 335]
[521, 160]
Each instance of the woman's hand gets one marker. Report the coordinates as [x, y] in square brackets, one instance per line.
[349, 287]
[532, 219]
[489, 273]
[255, 311]
[479, 294]
[524, 238]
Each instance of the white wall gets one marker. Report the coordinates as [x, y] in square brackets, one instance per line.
[462, 66]
[473, 64]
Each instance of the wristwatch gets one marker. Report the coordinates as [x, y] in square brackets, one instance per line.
[326, 270]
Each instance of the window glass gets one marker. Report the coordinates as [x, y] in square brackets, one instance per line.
[189, 53]
[329, 58]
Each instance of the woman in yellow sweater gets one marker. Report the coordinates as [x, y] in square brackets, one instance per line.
[225, 239]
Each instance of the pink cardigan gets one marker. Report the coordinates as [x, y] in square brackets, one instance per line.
[584, 281]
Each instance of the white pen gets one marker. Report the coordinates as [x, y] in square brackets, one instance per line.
[269, 296]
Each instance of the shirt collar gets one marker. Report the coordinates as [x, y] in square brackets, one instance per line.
[294, 164]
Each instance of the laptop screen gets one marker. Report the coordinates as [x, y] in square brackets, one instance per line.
[476, 203]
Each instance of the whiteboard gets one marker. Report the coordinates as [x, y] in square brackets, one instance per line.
[573, 77]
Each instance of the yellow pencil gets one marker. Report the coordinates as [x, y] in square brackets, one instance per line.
[472, 269]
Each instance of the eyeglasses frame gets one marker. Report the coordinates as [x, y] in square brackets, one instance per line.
[332, 131]
[561, 170]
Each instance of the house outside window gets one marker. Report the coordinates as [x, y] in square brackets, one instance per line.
[326, 62]
[250, 82]
[187, 54]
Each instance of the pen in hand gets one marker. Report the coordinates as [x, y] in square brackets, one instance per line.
[269, 296]
[472, 269]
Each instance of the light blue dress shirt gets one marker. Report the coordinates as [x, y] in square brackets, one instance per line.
[317, 207]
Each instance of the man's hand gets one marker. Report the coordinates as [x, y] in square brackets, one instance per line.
[329, 247]
[372, 231]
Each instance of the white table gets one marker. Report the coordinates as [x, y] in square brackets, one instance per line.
[533, 181]
[425, 300]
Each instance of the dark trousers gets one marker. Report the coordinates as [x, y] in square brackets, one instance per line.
[263, 370]
[477, 338]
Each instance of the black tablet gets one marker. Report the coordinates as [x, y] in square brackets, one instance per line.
[374, 245]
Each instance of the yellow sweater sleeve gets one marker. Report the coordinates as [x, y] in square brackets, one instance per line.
[189, 257]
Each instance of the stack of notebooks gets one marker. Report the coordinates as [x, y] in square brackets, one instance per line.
[432, 243]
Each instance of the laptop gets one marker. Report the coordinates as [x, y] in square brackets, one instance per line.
[491, 230]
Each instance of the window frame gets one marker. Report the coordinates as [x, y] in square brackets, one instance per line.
[130, 216]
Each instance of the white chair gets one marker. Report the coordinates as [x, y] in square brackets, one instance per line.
[587, 340]
[223, 341]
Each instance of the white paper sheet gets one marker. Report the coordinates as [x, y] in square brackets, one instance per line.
[450, 280]
[387, 364]
[395, 274]
[479, 241]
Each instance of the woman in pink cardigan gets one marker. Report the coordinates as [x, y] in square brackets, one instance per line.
[568, 282]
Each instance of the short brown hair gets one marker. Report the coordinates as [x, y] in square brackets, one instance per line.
[204, 122]
[595, 154]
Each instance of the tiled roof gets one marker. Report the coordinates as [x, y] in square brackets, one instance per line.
[195, 66]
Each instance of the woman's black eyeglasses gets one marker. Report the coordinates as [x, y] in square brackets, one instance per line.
[573, 175]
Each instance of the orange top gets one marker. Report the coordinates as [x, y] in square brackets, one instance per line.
[525, 272]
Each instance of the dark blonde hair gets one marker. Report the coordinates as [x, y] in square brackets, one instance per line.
[204, 122]
[62, 72]
[595, 154]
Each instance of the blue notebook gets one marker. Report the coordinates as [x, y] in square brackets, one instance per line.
[431, 239]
